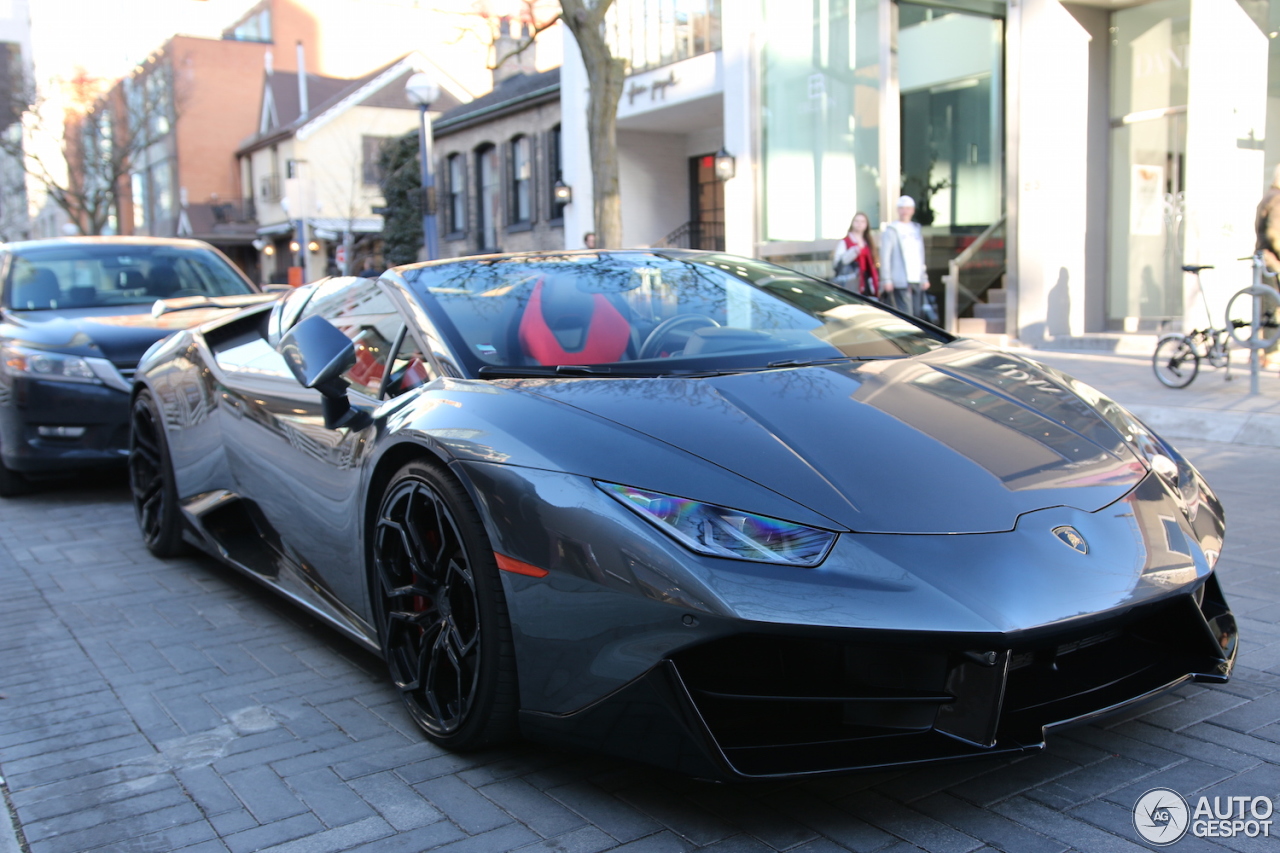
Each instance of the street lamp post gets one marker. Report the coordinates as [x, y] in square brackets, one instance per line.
[422, 90]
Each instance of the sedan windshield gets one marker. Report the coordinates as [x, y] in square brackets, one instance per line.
[87, 275]
[640, 313]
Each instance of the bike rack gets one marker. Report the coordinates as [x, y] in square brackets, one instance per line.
[1257, 341]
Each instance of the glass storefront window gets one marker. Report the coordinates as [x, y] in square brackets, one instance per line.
[821, 117]
[1189, 99]
[950, 78]
[1150, 50]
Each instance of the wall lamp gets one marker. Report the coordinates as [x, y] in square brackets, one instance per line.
[562, 192]
[725, 165]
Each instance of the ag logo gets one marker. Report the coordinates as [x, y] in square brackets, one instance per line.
[1161, 816]
[1071, 537]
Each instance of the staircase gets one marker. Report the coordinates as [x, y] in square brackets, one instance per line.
[988, 315]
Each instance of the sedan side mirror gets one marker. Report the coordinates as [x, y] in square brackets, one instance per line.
[318, 354]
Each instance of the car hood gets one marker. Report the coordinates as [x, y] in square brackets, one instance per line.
[119, 333]
[961, 440]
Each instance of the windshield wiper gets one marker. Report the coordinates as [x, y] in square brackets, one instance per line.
[490, 371]
[791, 362]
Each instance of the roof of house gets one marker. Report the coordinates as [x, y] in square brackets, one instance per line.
[328, 96]
[283, 88]
[517, 92]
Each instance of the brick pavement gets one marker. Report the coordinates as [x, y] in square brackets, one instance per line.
[162, 706]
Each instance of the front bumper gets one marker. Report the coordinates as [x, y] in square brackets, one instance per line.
[774, 702]
[27, 404]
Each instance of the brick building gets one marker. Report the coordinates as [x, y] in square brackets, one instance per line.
[498, 160]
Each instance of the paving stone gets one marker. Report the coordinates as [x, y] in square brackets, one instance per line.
[1073, 831]
[264, 794]
[587, 839]
[510, 837]
[756, 817]
[458, 801]
[672, 811]
[338, 838]
[329, 798]
[532, 807]
[104, 812]
[992, 828]
[610, 814]
[278, 832]
[415, 840]
[405, 808]
[837, 825]
[909, 824]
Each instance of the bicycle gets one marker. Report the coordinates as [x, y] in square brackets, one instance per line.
[1177, 358]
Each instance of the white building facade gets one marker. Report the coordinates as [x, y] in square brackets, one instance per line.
[1089, 149]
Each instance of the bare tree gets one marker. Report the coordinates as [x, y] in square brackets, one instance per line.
[606, 74]
[107, 131]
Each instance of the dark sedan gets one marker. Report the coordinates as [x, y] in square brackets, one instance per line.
[76, 314]
[689, 508]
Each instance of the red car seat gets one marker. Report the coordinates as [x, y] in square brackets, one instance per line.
[564, 325]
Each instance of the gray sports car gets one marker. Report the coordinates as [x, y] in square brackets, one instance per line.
[687, 508]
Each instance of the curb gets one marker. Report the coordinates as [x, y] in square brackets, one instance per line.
[10, 841]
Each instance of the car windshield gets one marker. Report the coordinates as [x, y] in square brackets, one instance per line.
[640, 313]
[83, 275]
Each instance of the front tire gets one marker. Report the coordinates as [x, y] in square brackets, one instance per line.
[441, 613]
[1175, 362]
[155, 494]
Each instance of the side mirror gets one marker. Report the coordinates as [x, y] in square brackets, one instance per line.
[318, 354]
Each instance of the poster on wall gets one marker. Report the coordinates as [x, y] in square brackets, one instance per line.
[1146, 201]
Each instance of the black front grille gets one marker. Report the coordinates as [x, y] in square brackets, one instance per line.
[785, 704]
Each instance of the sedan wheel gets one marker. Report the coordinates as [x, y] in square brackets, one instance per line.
[155, 497]
[442, 617]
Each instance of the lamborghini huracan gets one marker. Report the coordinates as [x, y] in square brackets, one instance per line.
[687, 508]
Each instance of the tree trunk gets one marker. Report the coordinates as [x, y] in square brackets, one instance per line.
[605, 76]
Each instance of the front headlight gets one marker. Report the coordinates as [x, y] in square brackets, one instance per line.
[722, 532]
[60, 367]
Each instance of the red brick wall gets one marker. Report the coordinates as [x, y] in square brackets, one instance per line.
[218, 90]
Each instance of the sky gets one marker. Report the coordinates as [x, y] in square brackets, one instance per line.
[108, 38]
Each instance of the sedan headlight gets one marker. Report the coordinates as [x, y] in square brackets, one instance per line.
[722, 532]
[60, 367]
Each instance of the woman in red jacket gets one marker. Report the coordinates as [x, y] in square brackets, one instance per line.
[856, 261]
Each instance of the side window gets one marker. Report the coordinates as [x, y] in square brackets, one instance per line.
[362, 311]
[409, 369]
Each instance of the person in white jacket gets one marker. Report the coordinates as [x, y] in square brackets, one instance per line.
[904, 276]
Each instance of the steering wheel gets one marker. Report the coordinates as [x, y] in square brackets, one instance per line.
[186, 291]
[653, 343]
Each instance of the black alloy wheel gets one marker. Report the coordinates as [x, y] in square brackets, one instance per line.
[155, 495]
[442, 616]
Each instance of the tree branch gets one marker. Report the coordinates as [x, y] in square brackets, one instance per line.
[527, 42]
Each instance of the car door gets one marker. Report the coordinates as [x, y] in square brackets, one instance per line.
[304, 478]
